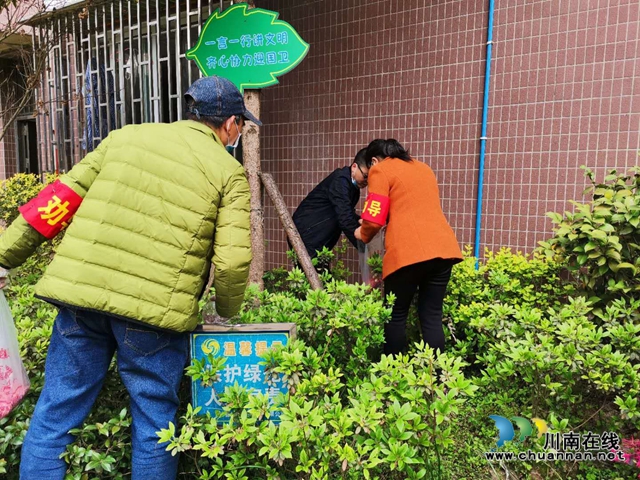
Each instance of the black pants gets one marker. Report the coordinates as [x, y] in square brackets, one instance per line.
[430, 278]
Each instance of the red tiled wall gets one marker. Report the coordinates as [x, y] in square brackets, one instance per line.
[565, 91]
[565, 94]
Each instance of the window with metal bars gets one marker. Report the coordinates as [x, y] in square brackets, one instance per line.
[111, 64]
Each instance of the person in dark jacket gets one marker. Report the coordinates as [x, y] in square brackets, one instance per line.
[329, 209]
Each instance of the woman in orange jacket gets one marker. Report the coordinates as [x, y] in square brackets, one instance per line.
[420, 245]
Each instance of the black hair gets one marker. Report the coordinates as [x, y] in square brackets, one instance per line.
[361, 158]
[386, 148]
[190, 114]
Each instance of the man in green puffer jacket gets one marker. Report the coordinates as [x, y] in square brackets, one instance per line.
[154, 205]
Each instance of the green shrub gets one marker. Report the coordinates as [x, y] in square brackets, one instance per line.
[600, 242]
[375, 264]
[570, 362]
[344, 322]
[394, 422]
[328, 263]
[275, 279]
[504, 277]
[18, 190]
[537, 349]
[102, 448]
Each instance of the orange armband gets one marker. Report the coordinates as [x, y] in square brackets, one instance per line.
[52, 209]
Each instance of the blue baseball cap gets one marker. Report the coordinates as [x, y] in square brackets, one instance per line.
[218, 97]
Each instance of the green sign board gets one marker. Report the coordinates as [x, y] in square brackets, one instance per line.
[250, 47]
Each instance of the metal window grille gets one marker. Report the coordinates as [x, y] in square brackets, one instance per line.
[111, 64]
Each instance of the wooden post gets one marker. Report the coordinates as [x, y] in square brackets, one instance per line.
[290, 228]
[251, 162]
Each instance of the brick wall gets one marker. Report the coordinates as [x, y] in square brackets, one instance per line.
[565, 91]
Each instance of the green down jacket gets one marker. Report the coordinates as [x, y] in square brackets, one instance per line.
[160, 203]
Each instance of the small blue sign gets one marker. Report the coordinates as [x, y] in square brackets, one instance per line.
[242, 351]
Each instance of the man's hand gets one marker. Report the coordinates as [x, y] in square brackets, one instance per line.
[360, 221]
[3, 278]
[215, 319]
[218, 320]
[357, 233]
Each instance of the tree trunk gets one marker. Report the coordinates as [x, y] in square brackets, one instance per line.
[251, 161]
[290, 228]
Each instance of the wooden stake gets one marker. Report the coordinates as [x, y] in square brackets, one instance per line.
[290, 228]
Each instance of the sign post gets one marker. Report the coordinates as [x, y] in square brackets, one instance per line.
[242, 346]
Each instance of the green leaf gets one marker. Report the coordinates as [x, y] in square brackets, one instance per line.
[590, 246]
[92, 465]
[612, 253]
[250, 47]
[555, 217]
[625, 265]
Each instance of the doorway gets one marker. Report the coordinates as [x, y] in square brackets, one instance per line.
[28, 147]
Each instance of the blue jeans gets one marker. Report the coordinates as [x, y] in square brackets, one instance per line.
[150, 363]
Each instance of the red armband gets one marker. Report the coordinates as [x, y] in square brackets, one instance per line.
[52, 209]
[376, 209]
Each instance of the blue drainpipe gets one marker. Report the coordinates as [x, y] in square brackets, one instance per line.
[483, 137]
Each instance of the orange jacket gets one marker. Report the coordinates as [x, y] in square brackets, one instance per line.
[417, 229]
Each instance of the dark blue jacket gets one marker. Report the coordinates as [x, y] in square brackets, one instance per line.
[327, 211]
